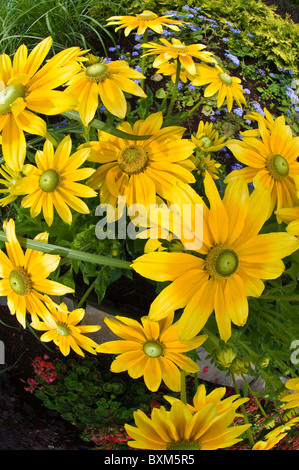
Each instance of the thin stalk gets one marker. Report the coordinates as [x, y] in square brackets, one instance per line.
[85, 296]
[249, 433]
[192, 110]
[254, 397]
[69, 253]
[175, 87]
[183, 387]
[143, 59]
[51, 139]
[37, 337]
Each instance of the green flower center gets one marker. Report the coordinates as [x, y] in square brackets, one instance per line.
[97, 72]
[184, 445]
[278, 167]
[62, 329]
[132, 159]
[49, 180]
[222, 262]
[225, 78]
[147, 15]
[153, 349]
[9, 95]
[20, 281]
[179, 48]
[206, 142]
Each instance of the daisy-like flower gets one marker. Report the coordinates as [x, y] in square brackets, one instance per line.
[107, 80]
[268, 444]
[150, 349]
[290, 215]
[170, 68]
[230, 265]
[293, 398]
[141, 170]
[207, 138]
[205, 164]
[201, 399]
[27, 89]
[222, 83]
[24, 277]
[10, 177]
[53, 182]
[267, 122]
[180, 429]
[178, 50]
[271, 162]
[64, 329]
[143, 21]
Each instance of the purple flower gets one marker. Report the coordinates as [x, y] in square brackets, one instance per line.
[238, 112]
[233, 58]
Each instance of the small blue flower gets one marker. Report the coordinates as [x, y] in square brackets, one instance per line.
[247, 91]
[192, 87]
[249, 35]
[235, 30]
[236, 166]
[225, 39]
[233, 58]
[238, 111]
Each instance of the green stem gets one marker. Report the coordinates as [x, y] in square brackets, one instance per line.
[69, 253]
[37, 337]
[249, 433]
[81, 302]
[254, 397]
[51, 139]
[183, 387]
[192, 110]
[143, 60]
[175, 87]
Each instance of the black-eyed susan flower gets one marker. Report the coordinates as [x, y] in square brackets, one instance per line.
[220, 83]
[143, 21]
[141, 170]
[206, 164]
[24, 277]
[150, 349]
[180, 429]
[180, 51]
[64, 328]
[271, 162]
[207, 138]
[107, 80]
[9, 179]
[268, 444]
[293, 398]
[201, 399]
[27, 89]
[53, 182]
[231, 264]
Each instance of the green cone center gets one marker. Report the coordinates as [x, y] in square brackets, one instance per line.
[206, 142]
[97, 72]
[132, 159]
[19, 281]
[147, 15]
[9, 95]
[62, 329]
[225, 78]
[153, 349]
[179, 47]
[278, 167]
[49, 180]
[222, 262]
[184, 445]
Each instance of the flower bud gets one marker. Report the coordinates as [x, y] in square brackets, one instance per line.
[239, 366]
[225, 355]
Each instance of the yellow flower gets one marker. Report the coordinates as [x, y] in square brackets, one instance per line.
[141, 170]
[220, 82]
[268, 444]
[53, 182]
[267, 121]
[150, 349]
[27, 89]
[205, 164]
[143, 21]
[233, 260]
[293, 398]
[179, 429]
[207, 138]
[108, 80]
[10, 178]
[290, 215]
[64, 329]
[271, 162]
[201, 399]
[178, 50]
[24, 277]
[170, 68]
